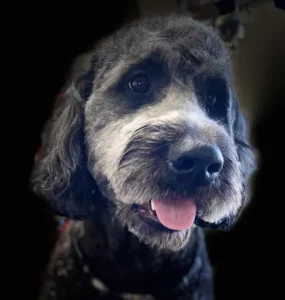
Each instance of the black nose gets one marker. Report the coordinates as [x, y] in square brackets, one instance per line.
[204, 162]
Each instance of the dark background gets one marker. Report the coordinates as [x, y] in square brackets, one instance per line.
[246, 260]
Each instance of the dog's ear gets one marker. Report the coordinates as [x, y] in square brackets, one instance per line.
[61, 175]
[240, 131]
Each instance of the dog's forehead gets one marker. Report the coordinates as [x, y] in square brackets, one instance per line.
[172, 37]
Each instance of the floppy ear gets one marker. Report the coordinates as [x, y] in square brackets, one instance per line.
[241, 138]
[61, 175]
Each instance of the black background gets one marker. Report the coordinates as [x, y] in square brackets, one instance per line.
[247, 259]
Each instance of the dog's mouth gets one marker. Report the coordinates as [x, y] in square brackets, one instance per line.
[174, 214]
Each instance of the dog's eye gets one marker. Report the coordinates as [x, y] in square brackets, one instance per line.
[139, 84]
[212, 92]
[211, 101]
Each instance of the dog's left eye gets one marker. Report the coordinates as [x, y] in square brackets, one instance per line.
[213, 94]
[139, 84]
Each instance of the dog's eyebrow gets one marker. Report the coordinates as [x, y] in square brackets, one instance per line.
[188, 62]
[188, 57]
[154, 64]
[154, 57]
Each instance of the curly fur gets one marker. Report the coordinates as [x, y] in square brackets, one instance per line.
[105, 148]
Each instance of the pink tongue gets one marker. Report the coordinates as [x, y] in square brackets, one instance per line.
[177, 213]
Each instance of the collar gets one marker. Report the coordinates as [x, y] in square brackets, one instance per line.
[62, 223]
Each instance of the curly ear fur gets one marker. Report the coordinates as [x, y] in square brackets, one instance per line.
[241, 137]
[61, 175]
[244, 150]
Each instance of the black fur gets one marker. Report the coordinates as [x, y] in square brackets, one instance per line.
[114, 243]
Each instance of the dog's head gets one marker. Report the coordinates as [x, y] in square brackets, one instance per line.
[153, 128]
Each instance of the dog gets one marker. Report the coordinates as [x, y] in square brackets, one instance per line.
[145, 148]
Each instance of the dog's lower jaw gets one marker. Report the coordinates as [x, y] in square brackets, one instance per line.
[147, 228]
[178, 242]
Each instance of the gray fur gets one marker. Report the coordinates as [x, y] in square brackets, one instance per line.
[122, 143]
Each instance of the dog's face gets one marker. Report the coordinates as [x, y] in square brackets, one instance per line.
[153, 126]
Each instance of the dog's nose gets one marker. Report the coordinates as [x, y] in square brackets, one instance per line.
[204, 162]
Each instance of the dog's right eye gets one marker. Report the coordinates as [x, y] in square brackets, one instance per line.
[139, 84]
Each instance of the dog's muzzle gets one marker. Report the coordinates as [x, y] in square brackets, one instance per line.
[199, 166]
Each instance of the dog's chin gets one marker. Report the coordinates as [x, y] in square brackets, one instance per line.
[143, 223]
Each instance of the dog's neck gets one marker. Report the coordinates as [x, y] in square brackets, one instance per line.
[123, 263]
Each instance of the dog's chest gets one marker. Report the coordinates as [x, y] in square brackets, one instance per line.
[73, 280]
[126, 274]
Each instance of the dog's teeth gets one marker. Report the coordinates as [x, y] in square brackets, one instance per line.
[152, 205]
